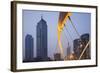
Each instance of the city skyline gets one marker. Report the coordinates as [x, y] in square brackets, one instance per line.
[31, 18]
[43, 56]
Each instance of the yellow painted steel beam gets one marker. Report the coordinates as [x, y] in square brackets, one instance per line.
[63, 17]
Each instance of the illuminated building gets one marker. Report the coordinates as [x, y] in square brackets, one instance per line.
[85, 40]
[80, 44]
[76, 45]
[71, 56]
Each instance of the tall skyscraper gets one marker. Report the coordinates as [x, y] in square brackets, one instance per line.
[29, 48]
[41, 41]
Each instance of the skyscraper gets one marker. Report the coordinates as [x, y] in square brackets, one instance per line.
[76, 45]
[80, 44]
[85, 40]
[41, 41]
[29, 48]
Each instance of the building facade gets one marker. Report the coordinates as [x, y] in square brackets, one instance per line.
[80, 44]
[29, 48]
[85, 39]
[76, 45]
[41, 39]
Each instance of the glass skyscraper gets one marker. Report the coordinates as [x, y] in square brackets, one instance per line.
[80, 44]
[29, 48]
[85, 39]
[41, 42]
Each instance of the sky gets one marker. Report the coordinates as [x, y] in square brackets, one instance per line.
[82, 22]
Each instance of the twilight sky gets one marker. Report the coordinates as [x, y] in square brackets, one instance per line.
[81, 21]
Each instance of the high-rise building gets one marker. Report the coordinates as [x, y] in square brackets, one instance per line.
[85, 39]
[76, 45]
[29, 48]
[80, 44]
[41, 42]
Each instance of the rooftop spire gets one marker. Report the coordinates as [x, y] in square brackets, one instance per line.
[41, 16]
